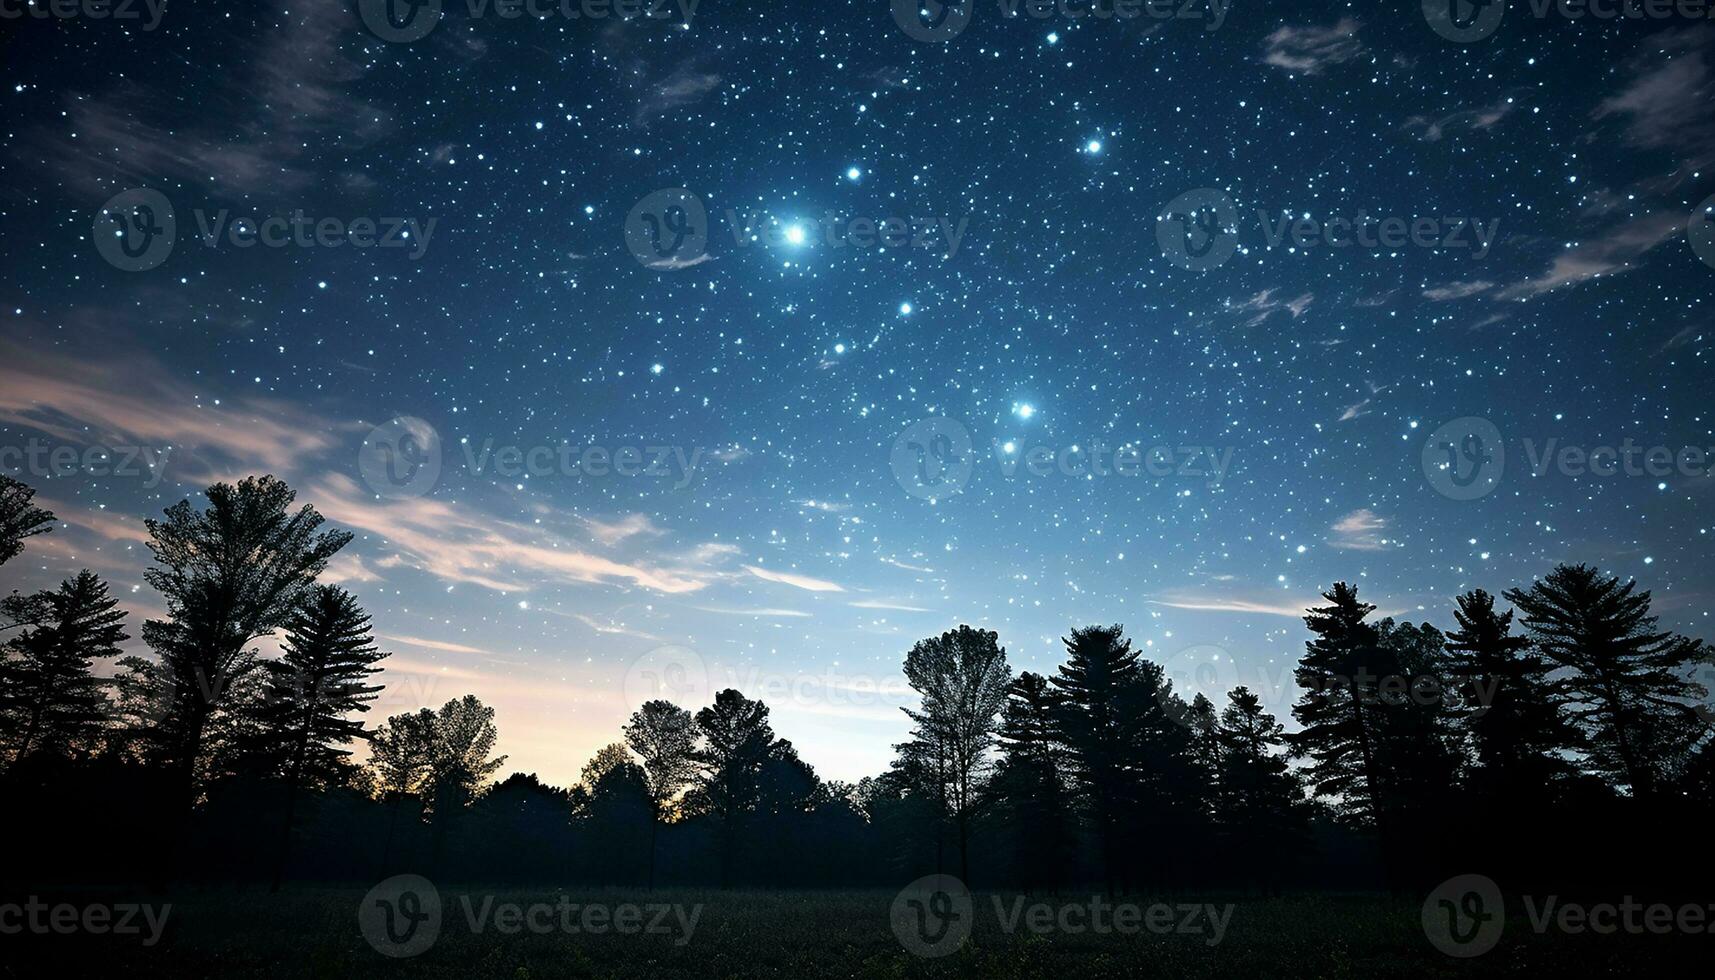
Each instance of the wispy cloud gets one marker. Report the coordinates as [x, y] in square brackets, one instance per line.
[1613, 251]
[804, 582]
[1308, 50]
[1361, 530]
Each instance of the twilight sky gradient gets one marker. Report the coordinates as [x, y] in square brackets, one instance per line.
[1032, 304]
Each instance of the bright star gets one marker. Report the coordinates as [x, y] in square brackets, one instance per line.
[905, 309]
[853, 173]
[1093, 146]
[1024, 410]
[795, 234]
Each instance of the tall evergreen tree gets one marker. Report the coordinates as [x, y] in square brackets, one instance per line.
[1100, 675]
[401, 754]
[1507, 705]
[664, 736]
[20, 518]
[1340, 709]
[304, 723]
[230, 575]
[1628, 688]
[1259, 801]
[736, 741]
[962, 678]
[49, 698]
[1030, 783]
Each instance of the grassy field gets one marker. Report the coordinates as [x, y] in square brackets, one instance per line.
[304, 932]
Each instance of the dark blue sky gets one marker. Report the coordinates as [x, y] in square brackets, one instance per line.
[773, 521]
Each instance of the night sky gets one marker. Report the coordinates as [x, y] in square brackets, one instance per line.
[1026, 301]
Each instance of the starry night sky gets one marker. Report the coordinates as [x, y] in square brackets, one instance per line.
[790, 368]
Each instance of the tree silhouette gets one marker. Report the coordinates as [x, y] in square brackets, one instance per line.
[612, 806]
[1097, 685]
[1030, 783]
[19, 517]
[49, 699]
[962, 677]
[401, 754]
[304, 722]
[1259, 801]
[736, 741]
[461, 739]
[1518, 734]
[1627, 689]
[664, 736]
[229, 575]
[1340, 708]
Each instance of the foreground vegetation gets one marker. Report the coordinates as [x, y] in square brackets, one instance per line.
[796, 935]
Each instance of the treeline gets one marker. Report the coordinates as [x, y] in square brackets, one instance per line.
[1564, 739]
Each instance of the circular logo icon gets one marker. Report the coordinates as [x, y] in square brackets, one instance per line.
[401, 916]
[1465, 458]
[135, 230]
[933, 20]
[401, 458]
[400, 21]
[932, 915]
[1198, 230]
[1464, 916]
[1464, 21]
[669, 673]
[1206, 670]
[932, 458]
[668, 230]
[1700, 231]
